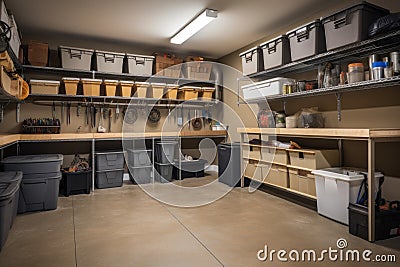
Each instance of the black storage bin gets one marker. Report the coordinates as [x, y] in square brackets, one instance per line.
[189, 168]
[387, 223]
[32, 164]
[109, 179]
[141, 175]
[109, 160]
[351, 25]
[9, 187]
[307, 40]
[229, 164]
[165, 152]
[6, 177]
[163, 172]
[39, 192]
[276, 52]
[139, 158]
[76, 182]
[251, 61]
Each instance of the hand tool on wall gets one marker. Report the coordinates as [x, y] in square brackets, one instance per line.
[1, 112]
[87, 114]
[68, 113]
[62, 112]
[53, 110]
[180, 116]
[78, 110]
[117, 111]
[101, 128]
[18, 111]
[188, 118]
[109, 119]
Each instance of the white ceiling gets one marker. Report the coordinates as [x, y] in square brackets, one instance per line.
[153, 22]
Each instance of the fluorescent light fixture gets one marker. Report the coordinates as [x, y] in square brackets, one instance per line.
[194, 26]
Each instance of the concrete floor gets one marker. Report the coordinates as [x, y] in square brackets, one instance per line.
[125, 227]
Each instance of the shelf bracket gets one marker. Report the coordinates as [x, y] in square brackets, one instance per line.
[339, 105]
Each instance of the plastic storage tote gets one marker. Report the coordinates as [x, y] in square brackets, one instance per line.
[126, 88]
[165, 152]
[164, 172]
[276, 52]
[351, 25]
[44, 87]
[140, 65]
[12, 177]
[33, 164]
[141, 175]
[336, 188]
[9, 186]
[206, 93]
[251, 61]
[171, 91]
[139, 158]
[76, 58]
[108, 179]
[91, 87]
[39, 192]
[387, 222]
[307, 40]
[141, 89]
[260, 90]
[110, 160]
[158, 90]
[71, 85]
[76, 182]
[109, 61]
[111, 87]
[189, 168]
[188, 92]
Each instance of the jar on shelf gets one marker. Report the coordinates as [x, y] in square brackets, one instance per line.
[356, 72]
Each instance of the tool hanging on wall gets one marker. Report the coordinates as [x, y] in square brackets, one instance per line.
[87, 114]
[62, 112]
[180, 116]
[1, 112]
[188, 118]
[78, 109]
[53, 110]
[68, 113]
[109, 119]
[18, 112]
[117, 111]
[101, 128]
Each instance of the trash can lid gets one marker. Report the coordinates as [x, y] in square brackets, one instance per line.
[32, 158]
[10, 176]
[8, 189]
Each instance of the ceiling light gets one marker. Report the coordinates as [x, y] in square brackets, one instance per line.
[194, 26]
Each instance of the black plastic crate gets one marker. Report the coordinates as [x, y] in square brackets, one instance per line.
[163, 172]
[141, 175]
[387, 222]
[276, 52]
[109, 179]
[192, 168]
[109, 160]
[73, 183]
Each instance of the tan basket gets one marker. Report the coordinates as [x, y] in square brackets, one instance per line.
[171, 91]
[44, 87]
[141, 89]
[111, 87]
[206, 92]
[6, 61]
[38, 53]
[91, 87]
[158, 90]
[71, 85]
[188, 92]
[16, 86]
[5, 80]
[126, 88]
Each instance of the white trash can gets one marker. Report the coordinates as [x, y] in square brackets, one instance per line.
[336, 188]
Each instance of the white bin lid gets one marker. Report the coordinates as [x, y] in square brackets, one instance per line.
[47, 82]
[10, 176]
[159, 84]
[76, 49]
[32, 159]
[266, 82]
[140, 56]
[142, 83]
[345, 174]
[251, 50]
[111, 81]
[110, 53]
[127, 82]
[91, 80]
[66, 79]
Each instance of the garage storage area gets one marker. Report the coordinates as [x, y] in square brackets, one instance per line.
[199, 133]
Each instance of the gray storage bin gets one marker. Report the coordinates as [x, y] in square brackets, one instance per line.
[251, 61]
[140, 65]
[111, 160]
[139, 158]
[39, 192]
[307, 40]
[109, 61]
[108, 179]
[165, 152]
[31, 164]
[6, 177]
[229, 164]
[276, 52]
[9, 187]
[75, 58]
[351, 25]
[141, 175]
[164, 172]
[189, 168]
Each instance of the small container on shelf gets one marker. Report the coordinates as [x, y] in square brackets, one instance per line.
[206, 93]
[378, 69]
[111, 87]
[71, 85]
[158, 90]
[171, 91]
[356, 72]
[140, 65]
[251, 61]
[75, 58]
[276, 52]
[141, 89]
[44, 87]
[188, 92]
[91, 87]
[38, 53]
[126, 88]
[109, 61]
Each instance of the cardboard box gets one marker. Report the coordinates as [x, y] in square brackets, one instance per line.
[206, 93]
[126, 88]
[276, 175]
[38, 53]
[302, 181]
[44, 87]
[171, 91]
[141, 89]
[111, 87]
[158, 90]
[253, 171]
[71, 85]
[165, 66]
[188, 92]
[275, 155]
[91, 87]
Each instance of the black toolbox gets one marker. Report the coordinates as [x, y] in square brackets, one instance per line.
[73, 183]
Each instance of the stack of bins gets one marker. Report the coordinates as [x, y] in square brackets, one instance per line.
[140, 165]
[9, 193]
[40, 181]
[109, 169]
[164, 155]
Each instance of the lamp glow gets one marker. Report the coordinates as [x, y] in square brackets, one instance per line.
[194, 26]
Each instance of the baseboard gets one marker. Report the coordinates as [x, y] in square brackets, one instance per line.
[212, 168]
